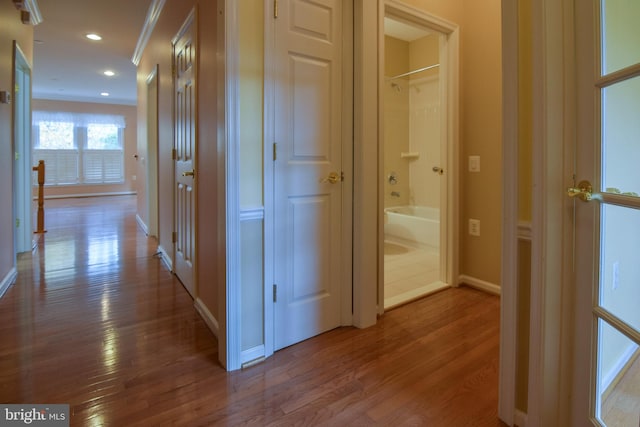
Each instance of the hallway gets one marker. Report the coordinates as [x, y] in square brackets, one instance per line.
[96, 321]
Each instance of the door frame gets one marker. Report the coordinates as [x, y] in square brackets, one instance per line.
[22, 173]
[449, 98]
[552, 279]
[152, 153]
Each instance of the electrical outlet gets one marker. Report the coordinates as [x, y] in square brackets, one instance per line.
[474, 227]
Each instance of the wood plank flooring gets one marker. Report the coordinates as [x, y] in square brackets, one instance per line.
[96, 321]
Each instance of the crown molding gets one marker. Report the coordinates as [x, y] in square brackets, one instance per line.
[30, 11]
[155, 9]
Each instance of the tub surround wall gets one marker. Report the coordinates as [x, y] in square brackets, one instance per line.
[412, 122]
[396, 121]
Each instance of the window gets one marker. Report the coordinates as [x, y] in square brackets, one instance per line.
[79, 148]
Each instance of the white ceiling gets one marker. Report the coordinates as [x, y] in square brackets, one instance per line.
[68, 66]
[402, 31]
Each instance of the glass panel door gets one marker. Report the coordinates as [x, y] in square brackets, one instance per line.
[616, 301]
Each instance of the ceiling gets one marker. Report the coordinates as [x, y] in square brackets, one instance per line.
[402, 31]
[67, 66]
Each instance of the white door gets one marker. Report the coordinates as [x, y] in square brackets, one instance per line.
[308, 169]
[185, 63]
[22, 146]
[607, 353]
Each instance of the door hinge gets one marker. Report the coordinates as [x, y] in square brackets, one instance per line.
[275, 151]
[275, 293]
[275, 9]
[174, 154]
[174, 237]
[17, 155]
[17, 88]
[17, 222]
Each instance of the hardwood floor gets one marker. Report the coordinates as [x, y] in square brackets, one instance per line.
[96, 321]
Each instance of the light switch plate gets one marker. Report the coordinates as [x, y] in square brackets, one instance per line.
[474, 163]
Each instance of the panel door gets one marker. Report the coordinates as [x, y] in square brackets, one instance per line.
[185, 134]
[308, 169]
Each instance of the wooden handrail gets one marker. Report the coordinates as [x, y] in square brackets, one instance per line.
[40, 170]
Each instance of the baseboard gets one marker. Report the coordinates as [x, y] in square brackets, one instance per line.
[8, 280]
[208, 318]
[520, 419]
[252, 356]
[80, 195]
[612, 378]
[479, 284]
[142, 225]
[166, 259]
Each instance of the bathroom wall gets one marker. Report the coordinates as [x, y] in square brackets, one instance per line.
[412, 122]
[396, 120]
[425, 125]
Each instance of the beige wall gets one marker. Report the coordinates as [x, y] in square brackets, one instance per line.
[11, 28]
[130, 147]
[210, 256]
[480, 128]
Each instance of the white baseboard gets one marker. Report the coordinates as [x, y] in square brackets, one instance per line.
[208, 318]
[479, 284]
[8, 280]
[520, 419]
[612, 377]
[142, 225]
[166, 259]
[252, 356]
[79, 195]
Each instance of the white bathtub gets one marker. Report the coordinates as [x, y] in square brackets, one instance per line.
[413, 225]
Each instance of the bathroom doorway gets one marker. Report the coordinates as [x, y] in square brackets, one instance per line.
[415, 158]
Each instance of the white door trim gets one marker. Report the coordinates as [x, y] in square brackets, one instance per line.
[552, 282]
[449, 67]
[22, 172]
[152, 156]
[230, 309]
[510, 259]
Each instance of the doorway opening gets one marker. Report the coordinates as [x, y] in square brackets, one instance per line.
[415, 159]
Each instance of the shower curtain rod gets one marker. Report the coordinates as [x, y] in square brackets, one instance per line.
[419, 70]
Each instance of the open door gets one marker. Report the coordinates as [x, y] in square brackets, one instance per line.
[22, 147]
[607, 211]
[185, 143]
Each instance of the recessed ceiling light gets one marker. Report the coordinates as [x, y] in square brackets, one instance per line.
[104, 93]
[109, 73]
[36, 41]
[93, 37]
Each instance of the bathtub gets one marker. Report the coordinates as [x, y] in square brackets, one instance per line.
[416, 226]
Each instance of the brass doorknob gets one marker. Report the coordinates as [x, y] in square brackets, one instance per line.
[584, 191]
[333, 178]
[189, 173]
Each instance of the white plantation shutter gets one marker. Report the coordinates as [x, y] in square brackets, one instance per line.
[103, 166]
[61, 166]
[80, 165]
